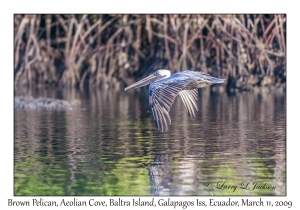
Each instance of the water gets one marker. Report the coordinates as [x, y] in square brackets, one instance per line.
[110, 146]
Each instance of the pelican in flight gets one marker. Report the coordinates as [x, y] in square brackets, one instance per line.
[164, 88]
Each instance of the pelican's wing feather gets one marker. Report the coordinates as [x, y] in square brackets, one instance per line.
[161, 97]
[189, 99]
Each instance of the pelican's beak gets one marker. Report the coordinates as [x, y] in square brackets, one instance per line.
[146, 81]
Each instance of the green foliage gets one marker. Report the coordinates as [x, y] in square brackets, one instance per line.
[34, 178]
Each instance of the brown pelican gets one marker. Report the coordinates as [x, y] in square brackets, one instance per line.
[164, 88]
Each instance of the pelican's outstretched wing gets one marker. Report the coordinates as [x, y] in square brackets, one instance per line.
[162, 95]
[189, 99]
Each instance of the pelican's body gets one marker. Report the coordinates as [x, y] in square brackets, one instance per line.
[164, 88]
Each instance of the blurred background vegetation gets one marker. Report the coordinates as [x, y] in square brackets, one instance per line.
[114, 50]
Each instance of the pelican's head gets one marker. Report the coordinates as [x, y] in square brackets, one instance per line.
[163, 72]
[158, 75]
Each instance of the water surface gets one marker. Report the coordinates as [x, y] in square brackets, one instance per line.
[110, 146]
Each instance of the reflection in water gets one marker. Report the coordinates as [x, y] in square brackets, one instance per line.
[110, 146]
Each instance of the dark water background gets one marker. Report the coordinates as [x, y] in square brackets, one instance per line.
[110, 146]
